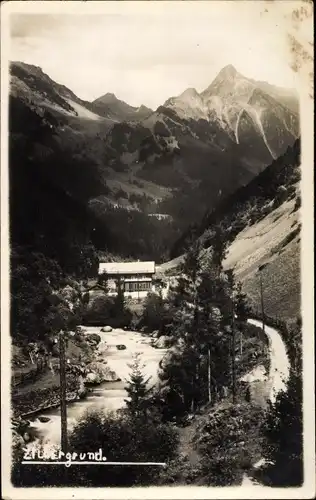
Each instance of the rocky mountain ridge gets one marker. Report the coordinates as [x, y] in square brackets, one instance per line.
[180, 160]
[232, 101]
[109, 106]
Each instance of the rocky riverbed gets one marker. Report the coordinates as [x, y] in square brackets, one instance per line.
[106, 395]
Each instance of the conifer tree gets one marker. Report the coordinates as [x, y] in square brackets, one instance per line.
[137, 390]
[208, 327]
[219, 247]
[242, 311]
[119, 301]
[201, 312]
[183, 295]
[103, 283]
[212, 302]
[183, 309]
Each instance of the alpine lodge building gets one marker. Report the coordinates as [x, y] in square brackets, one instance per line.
[135, 278]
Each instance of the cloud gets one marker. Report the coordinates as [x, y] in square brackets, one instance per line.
[145, 55]
[30, 25]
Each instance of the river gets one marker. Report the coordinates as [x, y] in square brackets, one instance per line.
[108, 395]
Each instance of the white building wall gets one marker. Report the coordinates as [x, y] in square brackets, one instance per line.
[133, 295]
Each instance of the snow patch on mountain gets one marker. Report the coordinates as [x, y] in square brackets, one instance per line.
[83, 112]
[226, 100]
[188, 105]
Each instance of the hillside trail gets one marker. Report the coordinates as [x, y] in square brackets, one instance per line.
[278, 376]
[276, 382]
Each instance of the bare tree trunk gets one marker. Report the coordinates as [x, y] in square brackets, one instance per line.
[241, 343]
[51, 367]
[194, 380]
[193, 396]
[197, 379]
[262, 304]
[63, 402]
[209, 375]
[233, 355]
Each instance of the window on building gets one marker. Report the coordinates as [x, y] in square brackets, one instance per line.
[140, 286]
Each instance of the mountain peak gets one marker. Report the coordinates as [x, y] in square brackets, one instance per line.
[228, 71]
[143, 108]
[190, 92]
[107, 98]
[227, 74]
[224, 82]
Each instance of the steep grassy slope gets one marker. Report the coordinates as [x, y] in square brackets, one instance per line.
[275, 241]
[261, 225]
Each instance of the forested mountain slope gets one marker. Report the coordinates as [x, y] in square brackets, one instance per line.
[126, 163]
[261, 226]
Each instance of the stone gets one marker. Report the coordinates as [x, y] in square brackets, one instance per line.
[26, 437]
[44, 420]
[93, 338]
[92, 378]
[106, 329]
[100, 372]
[161, 343]
[110, 376]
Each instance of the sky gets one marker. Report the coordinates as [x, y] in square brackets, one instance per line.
[146, 52]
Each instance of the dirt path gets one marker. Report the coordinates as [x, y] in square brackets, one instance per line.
[279, 362]
[278, 375]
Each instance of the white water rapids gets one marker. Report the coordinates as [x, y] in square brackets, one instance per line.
[111, 395]
[108, 395]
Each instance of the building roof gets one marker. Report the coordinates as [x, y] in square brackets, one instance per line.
[127, 267]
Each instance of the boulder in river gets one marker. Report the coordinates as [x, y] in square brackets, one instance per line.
[110, 376]
[121, 347]
[93, 338]
[106, 329]
[44, 420]
[162, 342]
[93, 378]
[100, 372]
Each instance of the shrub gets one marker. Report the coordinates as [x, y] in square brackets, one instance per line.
[121, 439]
[226, 440]
[283, 432]
[104, 311]
[99, 311]
[93, 338]
[153, 313]
[298, 203]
